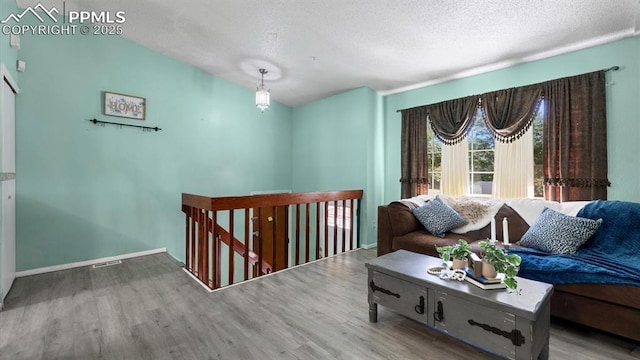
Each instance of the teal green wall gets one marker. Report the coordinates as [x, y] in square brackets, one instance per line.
[86, 192]
[374, 190]
[623, 111]
[335, 142]
[329, 142]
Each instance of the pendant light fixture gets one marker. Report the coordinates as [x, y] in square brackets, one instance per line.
[262, 94]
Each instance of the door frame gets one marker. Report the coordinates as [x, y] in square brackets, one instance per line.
[5, 76]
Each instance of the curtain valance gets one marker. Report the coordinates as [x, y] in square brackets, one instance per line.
[451, 119]
[509, 113]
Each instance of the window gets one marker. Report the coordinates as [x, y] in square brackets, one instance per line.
[538, 170]
[481, 157]
[434, 156]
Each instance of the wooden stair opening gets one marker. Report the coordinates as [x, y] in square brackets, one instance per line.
[272, 225]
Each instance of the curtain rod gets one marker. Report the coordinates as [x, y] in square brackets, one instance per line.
[613, 68]
[145, 128]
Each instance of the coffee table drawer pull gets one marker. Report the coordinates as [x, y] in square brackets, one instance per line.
[514, 335]
[439, 314]
[375, 288]
[420, 307]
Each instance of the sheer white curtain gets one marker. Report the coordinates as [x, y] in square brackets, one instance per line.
[513, 168]
[455, 169]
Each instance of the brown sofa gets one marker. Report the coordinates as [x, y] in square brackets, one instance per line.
[611, 308]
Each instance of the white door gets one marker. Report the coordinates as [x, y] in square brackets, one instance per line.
[8, 187]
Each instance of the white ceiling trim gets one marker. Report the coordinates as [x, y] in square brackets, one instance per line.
[509, 63]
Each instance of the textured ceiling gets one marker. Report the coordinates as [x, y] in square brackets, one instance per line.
[314, 48]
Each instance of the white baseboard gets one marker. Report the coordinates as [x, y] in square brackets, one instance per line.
[369, 246]
[47, 269]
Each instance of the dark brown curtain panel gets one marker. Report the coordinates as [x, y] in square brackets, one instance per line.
[509, 113]
[450, 120]
[414, 171]
[575, 138]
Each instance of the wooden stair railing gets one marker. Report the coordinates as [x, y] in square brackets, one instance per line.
[239, 248]
[205, 236]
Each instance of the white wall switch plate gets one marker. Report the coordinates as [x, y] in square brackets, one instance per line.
[14, 41]
[22, 66]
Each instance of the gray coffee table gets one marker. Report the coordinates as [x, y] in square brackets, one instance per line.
[512, 325]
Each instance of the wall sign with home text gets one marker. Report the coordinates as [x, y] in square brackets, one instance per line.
[124, 105]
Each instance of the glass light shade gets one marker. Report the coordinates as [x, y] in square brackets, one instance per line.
[262, 98]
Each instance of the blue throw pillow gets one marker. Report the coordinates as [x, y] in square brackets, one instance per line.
[558, 233]
[438, 217]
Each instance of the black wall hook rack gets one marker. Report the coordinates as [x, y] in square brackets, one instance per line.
[144, 128]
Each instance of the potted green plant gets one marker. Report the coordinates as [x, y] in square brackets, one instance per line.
[459, 252]
[501, 262]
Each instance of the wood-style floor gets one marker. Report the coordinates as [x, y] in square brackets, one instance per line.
[149, 308]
